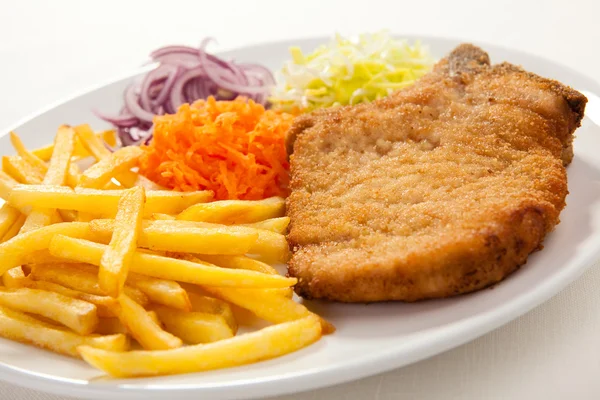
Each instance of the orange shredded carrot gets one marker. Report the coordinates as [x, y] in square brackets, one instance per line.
[234, 148]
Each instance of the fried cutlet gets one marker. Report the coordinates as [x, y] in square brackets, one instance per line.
[439, 189]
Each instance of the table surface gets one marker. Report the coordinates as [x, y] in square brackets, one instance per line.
[50, 50]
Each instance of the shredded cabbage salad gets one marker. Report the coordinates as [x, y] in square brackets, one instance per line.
[348, 72]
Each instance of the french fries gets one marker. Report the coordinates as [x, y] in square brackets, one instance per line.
[268, 306]
[175, 237]
[99, 174]
[235, 211]
[18, 326]
[172, 270]
[55, 175]
[7, 183]
[20, 170]
[130, 179]
[143, 327]
[205, 238]
[211, 305]
[161, 291]
[78, 315]
[14, 252]
[14, 278]
[236, 262]
[168, 268]
[104, 304]
[277, 225]
[38, 165]
[35, 162]
[91, 142]
[242, 262]
[264, 344]
[109, 137]
[40, 218]
[111, 326]
[14, 229]
[75, 277]
[100, 202]
[8, 216]
[194, 327]
[61, 157]
[114, 264]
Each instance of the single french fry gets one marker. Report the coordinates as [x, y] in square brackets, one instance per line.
[107, 168]
[14, 278]
[112, 325]
[12, 231]
[77, 277]
[230, 212]
[177, 237]
[169, 268]
[269, 246]
[194, 327]
[40, 218]
[100, 202]
[55, 175]
[8, 216]
[7, 183]
[61, 157]
[266, 305]
[76, 314]
[277, 225]
[21, 327]
[161, 291]
[130, 179]
[237, 262]
[31, 158]
[44, 153]
[109, 137]
[143, 328]
[86, 217]
[73, 175]
[243, 262]
[68, 215]
[211, 305]
[104, 304]
[14, 251]
[163, 217]
[117, 257]
[91, 142]
[270, 342]
[43, 257]
[20, 170]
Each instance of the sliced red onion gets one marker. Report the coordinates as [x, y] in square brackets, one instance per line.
[183, 75]
[119, 120]
[134, 107]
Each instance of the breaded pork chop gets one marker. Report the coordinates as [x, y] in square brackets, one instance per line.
[440, 189]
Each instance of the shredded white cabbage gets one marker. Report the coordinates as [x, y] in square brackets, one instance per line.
[348, 72]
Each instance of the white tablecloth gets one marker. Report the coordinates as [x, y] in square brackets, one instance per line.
[49, 50]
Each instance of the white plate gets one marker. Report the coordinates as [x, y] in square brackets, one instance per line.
[370, 338]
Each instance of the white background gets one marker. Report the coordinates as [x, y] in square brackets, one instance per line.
[51, 49]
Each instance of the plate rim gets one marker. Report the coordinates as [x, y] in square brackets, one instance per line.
[453, 335]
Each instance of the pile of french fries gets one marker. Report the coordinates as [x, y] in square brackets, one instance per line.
[104, 265]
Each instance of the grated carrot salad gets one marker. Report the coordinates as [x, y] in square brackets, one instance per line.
[234, 148]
